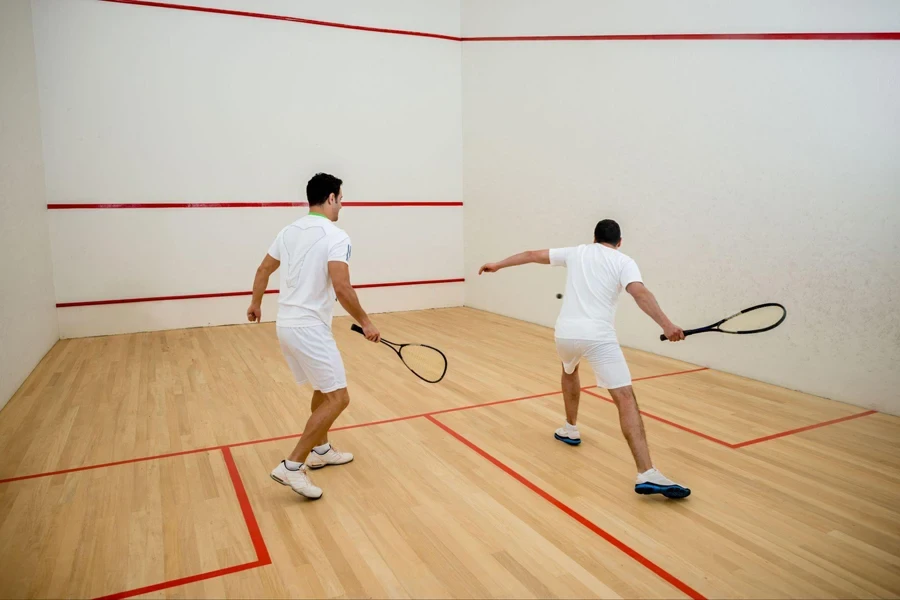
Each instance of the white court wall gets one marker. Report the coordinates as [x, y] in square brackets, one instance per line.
[741, 172]
[153, 105]
[28, 326]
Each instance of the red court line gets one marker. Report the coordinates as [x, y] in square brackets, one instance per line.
[672, 423]
[259, 544]
[182, 581]
[236, 204]
[110, 464]
[634, 554]
[670, 374]
[247, 293]
[241, 13]
[691, 37]
[802, 429]
[827, 36]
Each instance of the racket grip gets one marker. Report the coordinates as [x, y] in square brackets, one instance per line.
[662, 337]
[357, 329]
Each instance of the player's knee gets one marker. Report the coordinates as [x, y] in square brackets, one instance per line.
[622, 395]
[340, 398]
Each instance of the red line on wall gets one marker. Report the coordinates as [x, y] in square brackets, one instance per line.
[254, 15]
[691, 37]
[235, 204]
[247, 293]
[824, 36]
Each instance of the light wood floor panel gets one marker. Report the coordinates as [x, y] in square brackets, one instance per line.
[418, 515]
[104, 531]
[778, 530]
[99, 400]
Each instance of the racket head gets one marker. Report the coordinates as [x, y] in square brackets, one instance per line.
[426, 362]
[756, 319]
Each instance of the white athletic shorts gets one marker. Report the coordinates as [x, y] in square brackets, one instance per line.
[605, 358]
[313, 357]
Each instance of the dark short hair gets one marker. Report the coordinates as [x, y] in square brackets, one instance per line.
[320, 187]
[607, 232]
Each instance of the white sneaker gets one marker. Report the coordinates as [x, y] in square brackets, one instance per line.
[298, 480]
[567, 435]
[332, 457]
[654, 482]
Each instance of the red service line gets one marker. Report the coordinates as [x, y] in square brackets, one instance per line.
[802, 429]
[667, 422]
[107, 206]
[259, 545]
[247, 293]
[738, 444]
[618, 544]
[778, 36]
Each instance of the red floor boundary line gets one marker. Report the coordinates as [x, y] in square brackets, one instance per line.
[259, 544]
[182, 581]
[802, 429]
[117, 463]
[619, 545]
[697, 370]
[143, 205]
[671, 423]
[282, 437]
[362, 286]
[396, 419]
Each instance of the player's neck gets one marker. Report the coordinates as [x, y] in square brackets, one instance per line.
[607, 245]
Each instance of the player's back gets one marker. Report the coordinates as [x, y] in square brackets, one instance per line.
[306, 246]
[596, 275]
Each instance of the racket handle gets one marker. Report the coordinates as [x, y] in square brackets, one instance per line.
[357, 329]
[662, 337]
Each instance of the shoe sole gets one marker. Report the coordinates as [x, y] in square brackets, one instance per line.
[675, 492]
[276, 480]
[317, 467]
[566, 440]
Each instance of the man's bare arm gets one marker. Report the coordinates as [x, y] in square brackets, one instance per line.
[268, 266]
[647, 301]
[522, 258]
[346, 295]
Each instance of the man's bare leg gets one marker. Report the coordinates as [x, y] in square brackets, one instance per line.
[571, 388]
[632, 426]
[317, 399]
[649, 479]
[321, 420]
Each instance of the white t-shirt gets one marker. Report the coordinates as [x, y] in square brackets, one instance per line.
[305, 247]
[596, 276]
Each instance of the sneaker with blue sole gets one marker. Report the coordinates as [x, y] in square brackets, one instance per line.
[568, 436]
[654, 482]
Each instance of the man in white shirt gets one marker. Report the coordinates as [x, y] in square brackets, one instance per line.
[585, 328]
[315, 256]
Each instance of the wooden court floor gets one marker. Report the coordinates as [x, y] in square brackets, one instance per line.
[137, 465]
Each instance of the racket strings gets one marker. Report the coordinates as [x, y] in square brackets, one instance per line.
[754, 320]
[427, 363]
